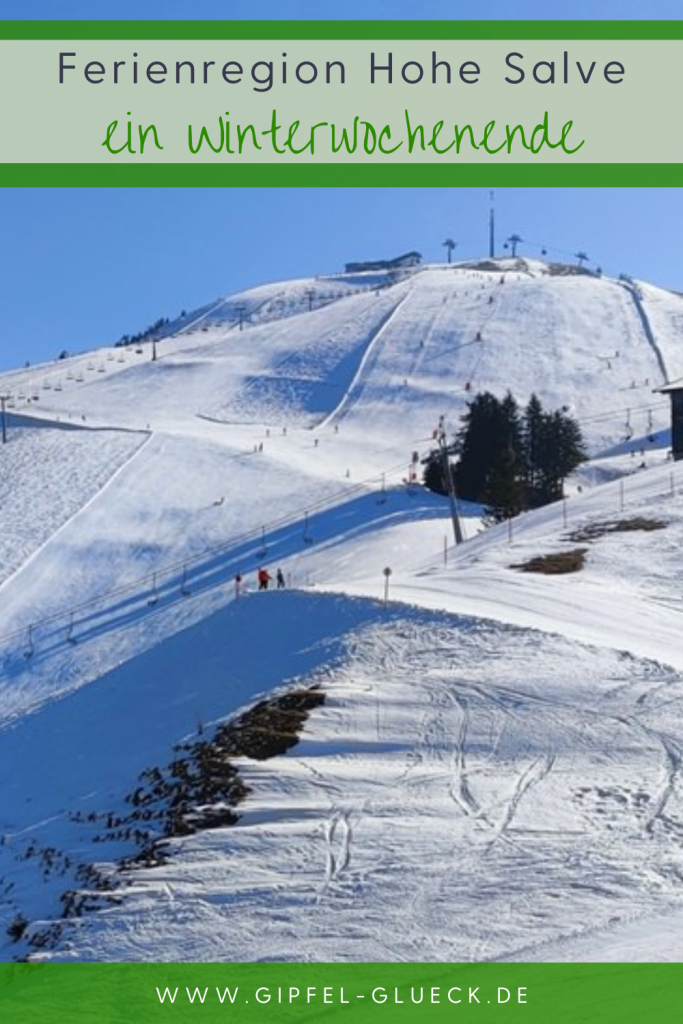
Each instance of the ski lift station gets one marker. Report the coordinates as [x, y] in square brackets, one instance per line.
[675, 392]
[408, 259]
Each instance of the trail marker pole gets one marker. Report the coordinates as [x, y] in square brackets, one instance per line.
[3, 400]
[70, 631]
[28, 653]
[307, 537]
[621, 495]
[509, 529]
[184, 589]
[564, 511]
[154, 596]
[387, 574]
[445, 550]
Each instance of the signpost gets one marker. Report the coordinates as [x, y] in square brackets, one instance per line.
[387, 574]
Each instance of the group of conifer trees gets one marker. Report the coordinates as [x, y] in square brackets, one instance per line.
[509, 459]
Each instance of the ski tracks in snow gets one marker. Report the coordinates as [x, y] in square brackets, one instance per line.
[460, 789]
[338, 834]
[534, 773]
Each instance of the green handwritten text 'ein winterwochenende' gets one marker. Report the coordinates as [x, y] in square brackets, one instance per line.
[359, 137]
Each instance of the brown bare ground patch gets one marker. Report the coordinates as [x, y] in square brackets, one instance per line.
[199, 789]
[595, 530]
[202, 787]
[556, 564]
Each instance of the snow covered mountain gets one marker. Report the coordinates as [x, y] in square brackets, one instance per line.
[490, 765]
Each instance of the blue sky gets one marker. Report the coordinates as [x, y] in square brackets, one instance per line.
[225, 9]
[81, 267]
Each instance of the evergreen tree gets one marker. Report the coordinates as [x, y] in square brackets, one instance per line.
[569, 448]
[490, 428]
[504, 490]
[433, 475]
[509, 461]
[504, 495]
[532, 436]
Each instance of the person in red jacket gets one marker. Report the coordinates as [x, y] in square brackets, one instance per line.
[264, 578]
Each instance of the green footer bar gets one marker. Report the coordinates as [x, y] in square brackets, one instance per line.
[362, 993]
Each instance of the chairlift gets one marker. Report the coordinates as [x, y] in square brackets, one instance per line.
[47, 386]
[101, 368]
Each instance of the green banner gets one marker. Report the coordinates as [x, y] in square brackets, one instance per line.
[362, 993]
[425, 99]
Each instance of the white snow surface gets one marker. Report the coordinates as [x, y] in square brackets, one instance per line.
[495, 773]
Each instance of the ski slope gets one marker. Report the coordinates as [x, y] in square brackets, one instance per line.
[495, 773]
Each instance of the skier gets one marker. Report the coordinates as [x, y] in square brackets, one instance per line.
[280, 580]
[264, 579]
[238, 585]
